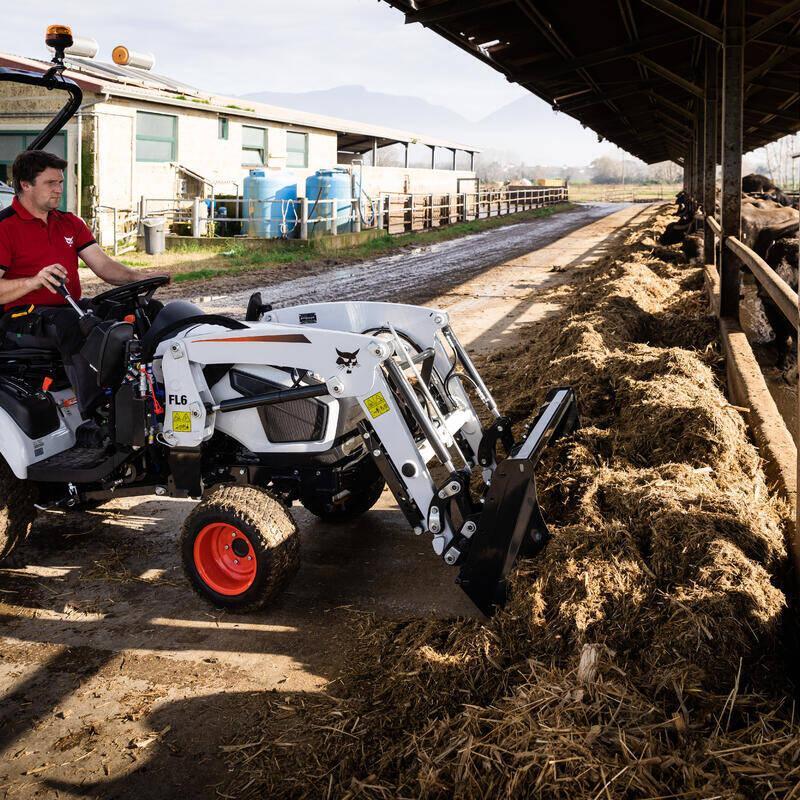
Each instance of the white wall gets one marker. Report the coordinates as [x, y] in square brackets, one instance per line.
[123, 180]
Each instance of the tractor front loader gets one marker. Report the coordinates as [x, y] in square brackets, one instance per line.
[402, 379]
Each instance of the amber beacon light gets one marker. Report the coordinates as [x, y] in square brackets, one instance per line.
[59, 37]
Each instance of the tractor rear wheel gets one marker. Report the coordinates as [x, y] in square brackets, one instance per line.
[17, 510]
[350, 507]
[240, 548]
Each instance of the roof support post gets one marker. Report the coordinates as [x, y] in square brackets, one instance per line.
[405, 156]
[710, 151]
[374, 152]
[687, 170]
[433, 156]
[732, 118]
[697, 187]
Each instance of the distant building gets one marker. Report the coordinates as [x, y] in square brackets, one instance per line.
[143, 135]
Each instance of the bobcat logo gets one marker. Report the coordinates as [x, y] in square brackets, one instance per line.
[347, 361]
[69, 240]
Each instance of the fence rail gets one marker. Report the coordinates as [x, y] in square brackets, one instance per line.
[124, 228]
[394, 212]
[781, 293]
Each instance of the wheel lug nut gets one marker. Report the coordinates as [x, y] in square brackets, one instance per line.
[235, 560]
[227, 547]
[249, 558]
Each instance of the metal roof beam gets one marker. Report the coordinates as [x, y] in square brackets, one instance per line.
[697, 24]
[603, 57]
[775, 130]
[546, 28]
[674, 107]
[779, 82]
[599, 98]
[669, 75]
[780, 113]
[767, 23]
[450, 9]
[665, 116]
[790, 40]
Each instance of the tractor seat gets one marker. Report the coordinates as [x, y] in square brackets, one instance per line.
[24, 345]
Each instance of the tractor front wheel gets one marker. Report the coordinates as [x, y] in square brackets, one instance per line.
[240, 548]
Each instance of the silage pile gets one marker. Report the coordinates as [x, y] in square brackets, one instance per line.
[640, 654]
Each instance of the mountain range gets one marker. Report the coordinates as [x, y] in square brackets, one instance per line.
[526, 129]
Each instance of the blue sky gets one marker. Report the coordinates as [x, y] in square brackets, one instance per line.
[249, 46]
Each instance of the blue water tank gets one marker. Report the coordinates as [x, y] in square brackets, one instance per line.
[321, 187]
[270, 204]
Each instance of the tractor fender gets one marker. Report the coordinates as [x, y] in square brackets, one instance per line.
[19, 452]
[15, 447]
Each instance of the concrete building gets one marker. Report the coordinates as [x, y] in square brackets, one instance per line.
[139, 134]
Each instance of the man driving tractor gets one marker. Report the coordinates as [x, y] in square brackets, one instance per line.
[39, 249]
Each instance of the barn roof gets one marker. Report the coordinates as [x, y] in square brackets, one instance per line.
[631, 70]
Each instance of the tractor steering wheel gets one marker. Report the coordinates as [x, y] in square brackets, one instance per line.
[139, 293]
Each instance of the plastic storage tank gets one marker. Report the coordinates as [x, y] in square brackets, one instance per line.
[325, 185]
[266, 195]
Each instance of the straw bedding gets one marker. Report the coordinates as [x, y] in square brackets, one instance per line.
[641, 655]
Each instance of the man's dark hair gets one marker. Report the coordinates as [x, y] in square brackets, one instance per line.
[30, 163]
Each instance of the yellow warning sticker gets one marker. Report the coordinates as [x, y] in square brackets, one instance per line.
[182, 421]
[376, 405]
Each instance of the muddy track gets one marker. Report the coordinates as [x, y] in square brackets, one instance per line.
[416, 275]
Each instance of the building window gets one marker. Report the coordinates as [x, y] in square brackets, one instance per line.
[254, 146]
[222, 128]
[155, 136]
[296, 149]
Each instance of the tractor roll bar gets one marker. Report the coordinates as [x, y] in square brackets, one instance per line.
[52, 79]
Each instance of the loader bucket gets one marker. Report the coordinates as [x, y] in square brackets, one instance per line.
[511, 525]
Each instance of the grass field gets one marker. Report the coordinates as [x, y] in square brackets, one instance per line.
[616, 192]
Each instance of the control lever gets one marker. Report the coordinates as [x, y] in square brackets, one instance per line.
[64, 292]
[87, 321]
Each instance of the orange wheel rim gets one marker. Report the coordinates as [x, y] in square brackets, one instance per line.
[225, 559]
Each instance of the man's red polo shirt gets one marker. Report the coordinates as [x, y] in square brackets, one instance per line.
[27, 245]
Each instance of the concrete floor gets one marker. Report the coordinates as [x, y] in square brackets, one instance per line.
[117, 681]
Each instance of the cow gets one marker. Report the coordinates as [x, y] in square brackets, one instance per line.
[764, 221]
[762, 187]
[675, 231]
[769, 229]
[782, 256]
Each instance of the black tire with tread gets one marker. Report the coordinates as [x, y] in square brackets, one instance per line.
[17, 510]
[271, 531]
[354, 506]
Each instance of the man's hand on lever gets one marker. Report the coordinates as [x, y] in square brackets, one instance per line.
[51, 277]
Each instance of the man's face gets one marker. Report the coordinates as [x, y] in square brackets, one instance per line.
[45, 191]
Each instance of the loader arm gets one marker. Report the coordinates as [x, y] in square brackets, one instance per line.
[409, 374]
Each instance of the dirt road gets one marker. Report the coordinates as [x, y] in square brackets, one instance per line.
[117, 682]
[416, 275]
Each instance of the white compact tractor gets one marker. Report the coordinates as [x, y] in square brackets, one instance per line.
[325, 403]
